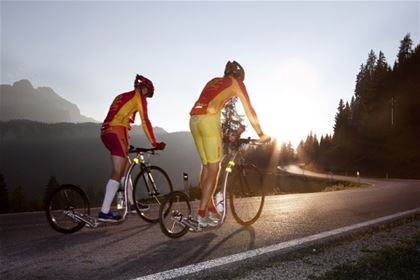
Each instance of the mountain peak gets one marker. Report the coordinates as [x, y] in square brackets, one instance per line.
[23, 85]
[23, 101]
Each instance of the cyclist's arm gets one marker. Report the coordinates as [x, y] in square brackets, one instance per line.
[249, 110]
[147, 126]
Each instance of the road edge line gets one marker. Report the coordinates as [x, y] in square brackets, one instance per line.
[194, 268]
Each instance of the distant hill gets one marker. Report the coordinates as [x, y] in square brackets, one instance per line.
[43, 135]
[37, 131]
[22, 101]
[31, 152]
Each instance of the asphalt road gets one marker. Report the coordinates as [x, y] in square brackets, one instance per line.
[30, 249]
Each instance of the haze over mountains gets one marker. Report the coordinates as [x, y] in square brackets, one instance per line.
[22, 101]
[32, 148]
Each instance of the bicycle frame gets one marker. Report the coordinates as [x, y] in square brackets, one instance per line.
[180, 214]
[233, 161]
[137, 160]
[68, 203]
[231, 164]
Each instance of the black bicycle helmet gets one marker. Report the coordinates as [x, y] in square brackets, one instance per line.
[234, 69]
[143, 81]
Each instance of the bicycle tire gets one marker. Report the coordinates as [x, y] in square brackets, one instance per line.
[66, 198]
[176, 202]
[246, 194]
[140, 192]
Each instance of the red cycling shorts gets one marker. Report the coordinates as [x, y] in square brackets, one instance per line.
[115, 139]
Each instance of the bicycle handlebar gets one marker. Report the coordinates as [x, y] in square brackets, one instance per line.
[248, 141]
[241, 141]
[137, 150]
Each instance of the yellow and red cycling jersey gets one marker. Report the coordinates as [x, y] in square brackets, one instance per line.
[218, 92]
[123, 111]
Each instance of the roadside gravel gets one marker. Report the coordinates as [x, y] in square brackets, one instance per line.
[321, 257]
[318, 260]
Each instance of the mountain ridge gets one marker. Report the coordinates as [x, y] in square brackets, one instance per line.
[31, 152]
[22, 101]
[33, 148]
[33, 130]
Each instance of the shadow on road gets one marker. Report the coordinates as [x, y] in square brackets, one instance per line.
[175, 253]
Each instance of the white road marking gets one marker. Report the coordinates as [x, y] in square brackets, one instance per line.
[182, 271]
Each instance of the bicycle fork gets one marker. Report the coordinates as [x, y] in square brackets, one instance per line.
[150, 184]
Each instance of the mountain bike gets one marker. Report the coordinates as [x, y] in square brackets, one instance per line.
[67, 207]
[241, 179]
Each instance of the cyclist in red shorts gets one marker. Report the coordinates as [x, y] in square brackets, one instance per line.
[114, 135]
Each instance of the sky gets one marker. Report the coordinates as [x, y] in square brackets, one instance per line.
[300, 57]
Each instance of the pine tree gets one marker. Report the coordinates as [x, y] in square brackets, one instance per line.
[308, 151]
[405, 49]
[339, 119]
[369, 83]
[231, 119]
[19, 200]
[4, 195]
[50, 187]
[286, 154]
[325, 152]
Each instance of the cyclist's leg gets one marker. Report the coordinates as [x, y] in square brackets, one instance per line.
[209, 185]
[195, 123]
[207, 137]
[203, 175]
[113, 184]
[115, 140]
[213, 149]
[211, 206]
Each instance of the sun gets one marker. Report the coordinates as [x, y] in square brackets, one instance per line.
[287, 101]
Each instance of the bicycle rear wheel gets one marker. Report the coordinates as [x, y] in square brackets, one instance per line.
[147, 195]
[246, 194]
[174, 210]
[63, 205]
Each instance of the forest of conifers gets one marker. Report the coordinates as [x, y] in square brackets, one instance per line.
[377, 132]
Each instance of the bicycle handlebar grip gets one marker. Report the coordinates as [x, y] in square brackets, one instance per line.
[248, 140]
[133, 149]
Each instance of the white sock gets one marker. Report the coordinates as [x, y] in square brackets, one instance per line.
[111, 189]
[130, 189]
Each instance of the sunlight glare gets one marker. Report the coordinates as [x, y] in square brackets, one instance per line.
[292, 105]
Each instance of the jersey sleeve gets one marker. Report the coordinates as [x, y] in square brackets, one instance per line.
[147, 126]
[249, 110]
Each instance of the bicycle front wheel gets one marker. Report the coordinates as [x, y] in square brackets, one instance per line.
[246, 194]
[150, 189]
[174, 211]
[63, 206]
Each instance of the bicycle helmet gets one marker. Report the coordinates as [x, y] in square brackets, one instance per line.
[143, 81]
[234, 69]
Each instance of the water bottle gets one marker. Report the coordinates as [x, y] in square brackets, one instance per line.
[219, 202]
[120, 199]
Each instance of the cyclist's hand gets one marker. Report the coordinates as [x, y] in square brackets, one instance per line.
[160, 145]
[265, 138]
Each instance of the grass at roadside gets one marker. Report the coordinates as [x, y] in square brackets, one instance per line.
[400, 262]
[285, 183]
